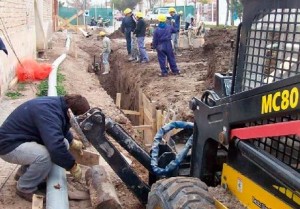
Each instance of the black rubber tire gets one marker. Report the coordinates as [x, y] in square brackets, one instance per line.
[179, 193]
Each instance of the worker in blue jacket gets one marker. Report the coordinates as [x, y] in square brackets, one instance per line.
[163, 45]
[175, 22]
[127, 27]
[36, 134]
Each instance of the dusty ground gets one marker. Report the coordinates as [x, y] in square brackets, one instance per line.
[127, 78]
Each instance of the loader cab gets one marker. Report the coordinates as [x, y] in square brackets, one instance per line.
[255, 124]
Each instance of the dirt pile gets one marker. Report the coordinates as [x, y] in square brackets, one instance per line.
[116, 34]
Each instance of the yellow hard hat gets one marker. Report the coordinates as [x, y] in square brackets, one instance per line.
[139, 14]
[102, 33]
[127, 11]
[162, 18]
[172, 9]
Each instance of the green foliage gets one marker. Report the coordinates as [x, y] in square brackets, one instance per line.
[205, 1]
[43, 86]
[13, 94]
[123, 4]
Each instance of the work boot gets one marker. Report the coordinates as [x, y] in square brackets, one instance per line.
[106, 69]
[28, 196]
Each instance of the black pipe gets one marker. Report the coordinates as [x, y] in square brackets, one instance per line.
[128, 143]
[236, 53]
[270, 165]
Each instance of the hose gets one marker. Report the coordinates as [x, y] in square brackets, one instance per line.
[179, 157]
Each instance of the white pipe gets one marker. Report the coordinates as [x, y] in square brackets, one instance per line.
[57, 190]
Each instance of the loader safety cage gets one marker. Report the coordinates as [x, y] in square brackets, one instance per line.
[265, 94]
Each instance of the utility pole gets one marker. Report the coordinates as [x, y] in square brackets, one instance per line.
[84, 17]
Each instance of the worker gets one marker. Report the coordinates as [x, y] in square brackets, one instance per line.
[93, 22]
[175, 22]
[36, 134]
[106, 50]
[163, 45]
[128, 26]
[140, 33]
[189, 21]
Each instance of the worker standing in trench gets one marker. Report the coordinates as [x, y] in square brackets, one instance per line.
[106, 50]
[128, 26]
[163, 45]
[36, 134]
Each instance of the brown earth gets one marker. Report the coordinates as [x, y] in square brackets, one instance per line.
[127, 78]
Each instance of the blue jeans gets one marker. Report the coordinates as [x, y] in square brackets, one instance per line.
[38, 160]
[105, 58]
[36, 164]
[175, 40]
[142, 49]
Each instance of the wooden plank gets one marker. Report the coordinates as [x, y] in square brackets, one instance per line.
[68, 21]
[158, 119]
[130, 112]
[88, 158]
[142, 127]
[141, 108]
[37, 201]
[148, 105]
[148, 114]
[118, 100]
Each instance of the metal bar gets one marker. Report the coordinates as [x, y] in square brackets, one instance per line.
[236, 53]
[128, 143]
[270, 165]
[94, 129]
[268, 130]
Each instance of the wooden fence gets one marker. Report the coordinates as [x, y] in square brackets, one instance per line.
[150, 119]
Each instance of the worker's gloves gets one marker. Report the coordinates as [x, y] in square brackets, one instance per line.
[76, 172]
[173, 21]
[77, 145]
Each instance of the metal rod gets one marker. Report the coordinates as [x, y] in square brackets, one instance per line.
[270, 165]
[128, 143]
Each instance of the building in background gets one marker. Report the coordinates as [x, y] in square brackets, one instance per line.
[28, 26]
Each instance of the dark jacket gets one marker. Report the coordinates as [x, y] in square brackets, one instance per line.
[43, 120]
[175, 21]
[128, 24]
[140, 29]
[162, 34]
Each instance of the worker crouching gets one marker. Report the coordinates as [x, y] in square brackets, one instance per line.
[163, 45]
[106, 50]
[36, 134]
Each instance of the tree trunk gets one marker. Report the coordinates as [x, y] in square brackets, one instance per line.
[102, 192]
[227, 12]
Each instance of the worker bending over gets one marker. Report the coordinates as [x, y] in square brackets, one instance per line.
[106, 50]
[140, 32]
[163, 45]
[175, 22]
[128, 26]
[36, 134]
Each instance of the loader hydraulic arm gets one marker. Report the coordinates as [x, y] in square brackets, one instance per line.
[94, 125]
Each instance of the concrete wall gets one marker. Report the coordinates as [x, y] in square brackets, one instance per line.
[25, 23]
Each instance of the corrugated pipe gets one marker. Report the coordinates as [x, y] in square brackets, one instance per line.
[57, 191]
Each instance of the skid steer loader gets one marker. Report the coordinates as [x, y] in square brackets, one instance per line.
[245, 134]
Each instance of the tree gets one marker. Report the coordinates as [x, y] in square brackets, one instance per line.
[152, 3]
[61, 4]
[123, 4]
[79, 4]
